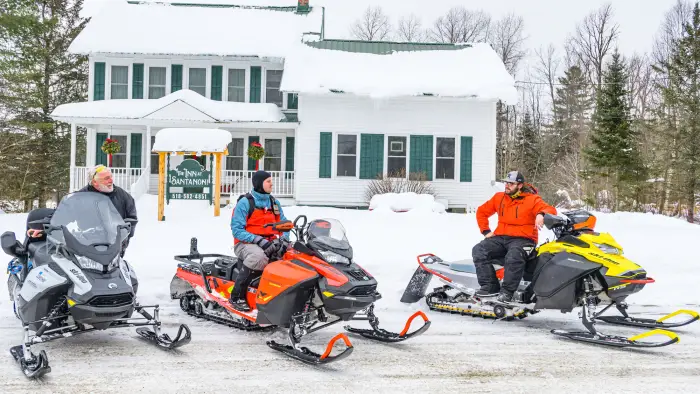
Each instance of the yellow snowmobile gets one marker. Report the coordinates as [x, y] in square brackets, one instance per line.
[580, 267]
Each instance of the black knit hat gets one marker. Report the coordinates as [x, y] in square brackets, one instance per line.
[258, 179]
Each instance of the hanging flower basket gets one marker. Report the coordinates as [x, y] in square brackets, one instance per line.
[110, 147]
[256, 152]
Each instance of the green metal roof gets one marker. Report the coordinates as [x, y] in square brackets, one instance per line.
[381, 47]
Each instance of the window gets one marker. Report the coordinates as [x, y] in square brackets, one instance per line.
[347, 155]
[273, 155]
[236, 85]
[292, 101]
[272, 88]
[120, 82]
[156, 82]
[198, 80]
[234, 160]
[154, 158]
[119, 159]
[397, 156]
[445, 158]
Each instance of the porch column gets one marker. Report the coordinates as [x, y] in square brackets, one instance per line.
[148, 158]
[73, 132]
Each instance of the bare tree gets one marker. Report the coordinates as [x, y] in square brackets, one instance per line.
[410, 30]
[374, 25]
[641, 86]
[507, 39]
[547, 68]
[592, 41]
[671, 29]
[461, 25]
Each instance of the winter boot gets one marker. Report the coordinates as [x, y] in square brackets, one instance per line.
[487, 291]
[504, 296]
[240, 289]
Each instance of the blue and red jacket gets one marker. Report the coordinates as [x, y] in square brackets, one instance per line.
[245, 225]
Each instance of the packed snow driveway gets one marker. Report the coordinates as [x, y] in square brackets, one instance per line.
[456, 353]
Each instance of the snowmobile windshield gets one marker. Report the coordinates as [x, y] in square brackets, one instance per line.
[90, 218]
[328, 235]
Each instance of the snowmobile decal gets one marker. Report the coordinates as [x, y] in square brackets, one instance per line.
[80, 284]
[44, 279]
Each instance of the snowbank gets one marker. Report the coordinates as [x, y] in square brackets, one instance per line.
[192, 140]
[168, 29]
[404, 202]
[475, 71]
[216, 111]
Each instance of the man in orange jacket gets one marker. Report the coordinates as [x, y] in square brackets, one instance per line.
[520, 215]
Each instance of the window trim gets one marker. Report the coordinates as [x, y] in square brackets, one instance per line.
[456, 138]
[129, 79]
[334, 152]
[407, 137]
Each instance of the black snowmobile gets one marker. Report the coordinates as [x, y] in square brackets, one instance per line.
[72, 280]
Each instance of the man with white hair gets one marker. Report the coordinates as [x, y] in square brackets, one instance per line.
[100, 181]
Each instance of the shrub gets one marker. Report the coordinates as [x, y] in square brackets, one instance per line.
[397, 182]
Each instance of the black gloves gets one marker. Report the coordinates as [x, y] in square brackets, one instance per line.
[262, 242]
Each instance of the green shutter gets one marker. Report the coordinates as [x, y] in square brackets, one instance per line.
[251, 162]
[100, 157]
[175, 78]
[371, 155]
[136, 143]
[325, 158]
[290, 154]
[137, 82]
[99, 88]
[255, 84]
[217, 73]
[421, 153]
[465, 159]
[292, 101]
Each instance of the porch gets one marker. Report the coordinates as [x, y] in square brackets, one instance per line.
[139, 181]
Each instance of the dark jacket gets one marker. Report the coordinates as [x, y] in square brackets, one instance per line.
[122, 201]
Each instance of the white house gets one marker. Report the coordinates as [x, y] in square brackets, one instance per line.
[331, 114]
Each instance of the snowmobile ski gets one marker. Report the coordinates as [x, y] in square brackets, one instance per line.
[617, 341]
[307, 356]
[35, 367]
[382, 335]
[164, 340]
[627, 320]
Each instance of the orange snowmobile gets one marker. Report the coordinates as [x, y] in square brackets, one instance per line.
[309, 284]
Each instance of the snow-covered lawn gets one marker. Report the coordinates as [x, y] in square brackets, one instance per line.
[455, 353]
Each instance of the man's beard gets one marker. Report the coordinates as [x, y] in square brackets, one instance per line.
[104, 188]
[513, 193]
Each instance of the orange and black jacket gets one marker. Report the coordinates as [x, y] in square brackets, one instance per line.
[516, 216]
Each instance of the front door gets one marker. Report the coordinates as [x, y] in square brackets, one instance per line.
[273, 154]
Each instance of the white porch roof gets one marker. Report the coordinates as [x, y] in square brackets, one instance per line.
[181, 106]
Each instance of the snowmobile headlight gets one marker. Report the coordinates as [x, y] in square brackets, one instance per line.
[608, 249]
[113, 265]
[334, 258]
[89, 264]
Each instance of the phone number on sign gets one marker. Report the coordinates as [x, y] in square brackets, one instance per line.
[188, 196]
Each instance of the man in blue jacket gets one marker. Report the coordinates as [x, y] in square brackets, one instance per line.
[251, 238]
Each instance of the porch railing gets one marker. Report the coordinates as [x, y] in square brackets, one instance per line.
[239, 182]
[123, 177]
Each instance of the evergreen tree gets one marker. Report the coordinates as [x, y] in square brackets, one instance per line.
[572, 105]
[527, 143]
[683, 92]
[613, 151]
[37, 74]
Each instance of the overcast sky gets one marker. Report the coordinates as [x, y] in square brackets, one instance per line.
[546, 21]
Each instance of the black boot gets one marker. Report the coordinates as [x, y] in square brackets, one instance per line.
[240, 289]
[488, 291]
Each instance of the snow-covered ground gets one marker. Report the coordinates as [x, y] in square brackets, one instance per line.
[456, 353]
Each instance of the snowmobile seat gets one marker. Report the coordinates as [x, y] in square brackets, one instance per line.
[466, 265]
[39, 253]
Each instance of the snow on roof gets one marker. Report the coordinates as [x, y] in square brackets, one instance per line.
[475, 71]
[204, 109]
[191, 140]
[120, 27]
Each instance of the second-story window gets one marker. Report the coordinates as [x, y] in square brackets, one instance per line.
[198, 80]
[120, 82]
[156, 82]
[236, 85]
[272, 88]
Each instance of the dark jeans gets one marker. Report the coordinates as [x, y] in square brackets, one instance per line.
[493, 250]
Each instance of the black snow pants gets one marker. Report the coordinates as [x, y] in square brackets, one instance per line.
[493, 250]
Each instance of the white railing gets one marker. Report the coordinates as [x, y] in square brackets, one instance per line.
[239, 182]
[123, 177]
[140, 188]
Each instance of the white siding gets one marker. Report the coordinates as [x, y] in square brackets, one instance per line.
[442, 117]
